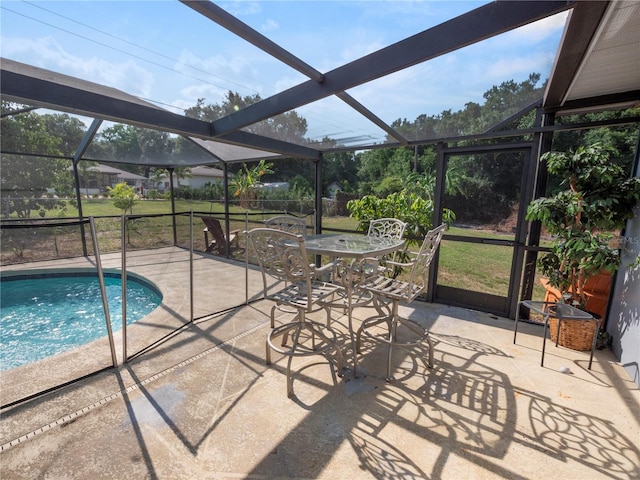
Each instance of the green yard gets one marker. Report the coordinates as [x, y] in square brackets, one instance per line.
[472, 266]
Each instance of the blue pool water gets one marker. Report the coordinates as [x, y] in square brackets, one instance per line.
[45, 314]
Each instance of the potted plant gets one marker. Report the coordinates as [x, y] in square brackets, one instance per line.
[584, 219]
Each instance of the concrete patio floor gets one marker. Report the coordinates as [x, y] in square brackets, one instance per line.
[203, 404]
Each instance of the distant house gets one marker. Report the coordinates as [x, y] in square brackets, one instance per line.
[202, 175]
[333, 188]
[198, 178]
[96, 178]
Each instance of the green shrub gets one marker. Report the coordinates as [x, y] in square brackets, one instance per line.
[414, 210]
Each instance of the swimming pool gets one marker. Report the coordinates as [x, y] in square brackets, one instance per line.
[46, 313]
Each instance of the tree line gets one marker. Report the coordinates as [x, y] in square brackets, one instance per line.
[51, 139]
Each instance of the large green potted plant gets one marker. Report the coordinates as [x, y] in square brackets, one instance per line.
[584, 218]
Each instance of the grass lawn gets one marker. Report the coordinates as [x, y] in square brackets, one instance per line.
[471, 266]
[104, 207]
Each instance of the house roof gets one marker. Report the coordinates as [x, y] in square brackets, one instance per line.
[596, 66]
[122, 174]
[598, 60]
[204, 171]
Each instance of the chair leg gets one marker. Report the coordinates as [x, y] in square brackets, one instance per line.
[424, 333]
[379, 304]
[289, 379]
[340, 361]
[295, 329]
[268, 356]
[282, 330]
[371, 322]
[328, 310]
[296, 337]
[295, 325]
[336, 348]
[393, 334]
[393, 320]
[430, 358]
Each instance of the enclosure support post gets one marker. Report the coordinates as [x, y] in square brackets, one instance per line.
[191, 263]
[82, 148]
[441, 168]
[225, 187]
[539, 186]
[318, 201]
[246, 258]
[103, 291]
[123, 236]
[318, 184]
[173, 207]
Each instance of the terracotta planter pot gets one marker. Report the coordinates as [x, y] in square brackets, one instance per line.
[597, 289]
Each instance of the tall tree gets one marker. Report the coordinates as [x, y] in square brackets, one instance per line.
[120, 143]
[288, 126]
[156, 146]
[26, 179]
[341, 167]
[247, 179]
[474, 180]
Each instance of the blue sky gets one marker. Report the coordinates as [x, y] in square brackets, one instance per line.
[165, 52]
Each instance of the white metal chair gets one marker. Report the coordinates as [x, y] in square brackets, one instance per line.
[283, 257]
[387, 228]
[288, 223]
[298, 226]
[356, 272]
[392, 290]
[379, 228]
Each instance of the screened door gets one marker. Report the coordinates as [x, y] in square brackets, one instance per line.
[480, 260]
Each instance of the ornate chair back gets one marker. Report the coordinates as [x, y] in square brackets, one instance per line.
[419, 275]
[387, 228]
[288, 223]
[282, 256]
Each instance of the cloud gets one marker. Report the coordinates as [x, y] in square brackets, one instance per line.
[200, 91]
[514, 67]
[538, 31]
[247, 72]
[191, 63]
[47, 53]
[286, 82]
[359, 45]
[239, 8]
[270, 25]
[189, 95]
[227, 72]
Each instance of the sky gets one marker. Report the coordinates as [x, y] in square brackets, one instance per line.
[165, 52]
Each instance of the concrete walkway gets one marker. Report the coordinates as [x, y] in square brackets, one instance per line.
[202, 404]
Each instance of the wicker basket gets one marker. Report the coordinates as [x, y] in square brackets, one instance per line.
[574, 334]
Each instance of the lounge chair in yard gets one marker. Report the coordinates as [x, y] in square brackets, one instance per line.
[219, 240]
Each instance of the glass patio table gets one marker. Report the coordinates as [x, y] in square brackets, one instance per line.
[562, 312]
[351, 249]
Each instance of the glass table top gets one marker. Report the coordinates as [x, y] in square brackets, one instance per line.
[557, 310]
[351, 245]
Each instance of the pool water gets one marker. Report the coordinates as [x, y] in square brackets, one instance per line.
[47, 315]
